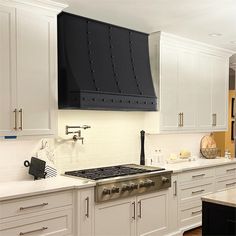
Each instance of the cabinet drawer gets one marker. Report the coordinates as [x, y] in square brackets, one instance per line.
[35, 204]
[225, 183]
[226, 170]
[190, 176]
[191, 213]
[58, 223]
[188, 193]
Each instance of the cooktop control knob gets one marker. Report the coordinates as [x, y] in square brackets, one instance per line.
[150, 183]
[115, 189]
[133, 186]
[125, 187]
[106, 191]
[141, 184]
[164, 180]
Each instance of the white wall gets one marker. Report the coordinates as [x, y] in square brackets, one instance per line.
[113, 139]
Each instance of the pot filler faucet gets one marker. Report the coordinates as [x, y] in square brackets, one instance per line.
[77, 133]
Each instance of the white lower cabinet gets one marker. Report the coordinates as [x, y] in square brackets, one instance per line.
[173, 227]
[116, 218]
[143, 215]
[58, 223]
[152, 214]
[46, 214]
[85, 212]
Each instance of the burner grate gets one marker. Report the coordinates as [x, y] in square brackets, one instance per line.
[107, 172]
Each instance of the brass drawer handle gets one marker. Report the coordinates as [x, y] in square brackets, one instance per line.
[233, 169]
[33, 231]
[140, 209]
[133, 217]
[214, 119]
[200, 175]
[21, 119]
[180, 120]
[196, 212]
[15, 119]
[29, 207]
[198, 191]
[87, 207]
[175, 188]
[230, 184]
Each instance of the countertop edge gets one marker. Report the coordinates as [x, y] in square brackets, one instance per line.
[219, 202]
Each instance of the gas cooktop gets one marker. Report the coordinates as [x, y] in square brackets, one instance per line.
[120, 181]
[111, 171]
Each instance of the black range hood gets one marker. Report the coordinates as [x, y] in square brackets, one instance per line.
[102, 66]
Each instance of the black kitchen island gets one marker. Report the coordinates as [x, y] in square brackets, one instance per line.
[219, 214]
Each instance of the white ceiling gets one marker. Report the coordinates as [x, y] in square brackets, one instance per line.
[194, 19]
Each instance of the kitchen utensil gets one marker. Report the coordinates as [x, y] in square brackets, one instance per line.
[142, 155]
[36, 167]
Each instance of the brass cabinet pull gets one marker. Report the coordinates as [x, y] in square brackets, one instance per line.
[198, 191]
[33, 231]
[200, 175]
[179, 120]
[134, 215]
[15, 119]
[175, 188]
[214, 119]
[87, 207]
[233, 169]
[21, 119]
[29, 207]
[140, 209]
[196, 212]
[230, 184]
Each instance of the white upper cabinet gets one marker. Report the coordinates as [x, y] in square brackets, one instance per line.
[28, 99]
[7, 70]
[220, 87]
[193, 85]
[204, 93]
[169, 88]
[36, 72]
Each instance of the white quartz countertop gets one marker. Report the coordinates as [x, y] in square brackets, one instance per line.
[16, 189]
[226, 198]
[197, 164]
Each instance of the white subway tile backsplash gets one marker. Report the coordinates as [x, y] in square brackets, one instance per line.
[114, 138]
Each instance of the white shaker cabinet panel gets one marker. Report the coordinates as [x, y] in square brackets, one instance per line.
[7, 71]
[36, 72]
[152, 214]
[187, 73]
[220, 86]
[86, 213]
[116, 218]
[204, 93]
[169, 89]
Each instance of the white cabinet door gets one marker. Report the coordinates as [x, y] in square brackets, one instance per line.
[169, 88]
[36, 72]
[220, 83]
[204, 93]
[116, 218]
[7, 71]
[187, 73]
[86, 212]
[152, 214]
[173, 205]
